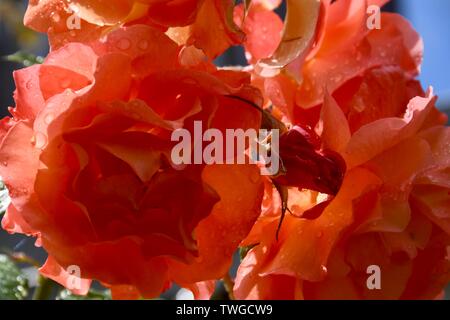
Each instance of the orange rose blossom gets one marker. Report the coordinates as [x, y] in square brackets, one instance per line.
[363, 155]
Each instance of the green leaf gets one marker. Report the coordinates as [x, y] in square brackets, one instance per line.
[244, 250]
[92, 295]
[27, 59]
[13, 284]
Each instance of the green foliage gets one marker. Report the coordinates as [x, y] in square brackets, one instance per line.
[244, 250]
[11, 17]
[13, 284]
[27, 59]
[92, 295]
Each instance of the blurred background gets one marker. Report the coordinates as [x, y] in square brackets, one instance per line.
[429, 17]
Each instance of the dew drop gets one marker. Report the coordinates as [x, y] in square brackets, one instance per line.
[337, 78]
[278, 93]
[29, 85]
[65, 83]
[124, 44]
[55, 17]
[49, 118]
[307, 87]
[143, 45]
[40, 140]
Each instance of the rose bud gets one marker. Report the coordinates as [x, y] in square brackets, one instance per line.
[306, 166]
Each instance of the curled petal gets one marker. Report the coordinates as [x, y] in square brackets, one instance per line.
[51, 269]
[299, 33]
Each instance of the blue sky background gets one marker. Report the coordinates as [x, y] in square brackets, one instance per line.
[431, 18]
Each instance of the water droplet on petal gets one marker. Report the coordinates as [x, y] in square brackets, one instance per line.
[29, 85]
[124, 44]
[307, 86]
[337, 78]
[143, 45]
[324, 269]
[65, 83]
[49, 118]
[40, 140]
[55, 17]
